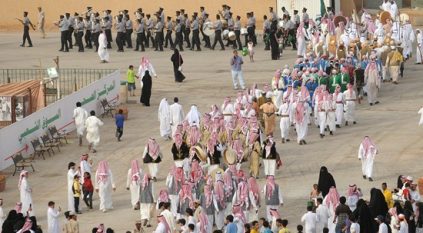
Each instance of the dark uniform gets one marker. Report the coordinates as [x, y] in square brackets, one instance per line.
[159, 35]
[79, 30]
[178, 39]
[88, 32]
[120, 37]
[128, 33]
[64, 29]
[169, 28]
[26, 36]
[218, 34]
[195, 34]
[140, 35]
[108, 31]
[187, 30]
[95, 33]
[237, 30]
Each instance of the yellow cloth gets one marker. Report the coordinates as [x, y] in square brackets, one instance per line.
[388, 198]
[76, 188]
[284, 230]
[254, 231]
[130, 74]
[269, 110]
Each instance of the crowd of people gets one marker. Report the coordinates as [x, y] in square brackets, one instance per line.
[219, 155]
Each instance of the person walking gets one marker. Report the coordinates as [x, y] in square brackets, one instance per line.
[119, 119]
[367, 153]
[236, 63]
[92, 124]
[26, 23]
[53, 218]
[41, 22]
[177, 66]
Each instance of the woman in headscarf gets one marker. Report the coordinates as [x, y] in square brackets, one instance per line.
[133, 181]
[104, 184]
[364, 217]
[326, 181]
[377, 203]
[164, 119]
[146, 89]
[152, 157]
[410, 217]
[9, 221]
[274, 46]
[177, 66]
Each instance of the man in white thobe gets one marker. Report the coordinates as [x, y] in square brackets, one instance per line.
[367, 153]
[350, 98]
[323, 215]
[92, 124]
[133, 180]
[176, 114]
[104, 184]
[419, 46]
[70, 178]
[227, 109]
[284, 111]
[309, 220]
[102, 47]
[53, 218]
[25, 192]
[80, 116]
[338, 97]
[164, 119]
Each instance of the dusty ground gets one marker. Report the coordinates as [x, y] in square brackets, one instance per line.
[392, 125]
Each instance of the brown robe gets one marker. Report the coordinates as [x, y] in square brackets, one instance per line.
[269, 118]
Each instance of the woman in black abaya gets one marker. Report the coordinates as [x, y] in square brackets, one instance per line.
[177, 62]
[410, 217]
[364, 217]
[377, 203]
[274, 46]
[325, 182]
[146, 89]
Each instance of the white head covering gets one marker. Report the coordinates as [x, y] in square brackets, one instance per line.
[193, 116]
[164, 110]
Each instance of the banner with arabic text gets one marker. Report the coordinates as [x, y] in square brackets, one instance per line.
[18, 136]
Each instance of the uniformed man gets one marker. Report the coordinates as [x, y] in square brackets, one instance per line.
[75, 21]
[231, 24]
[79, 30]
[159, 34]
[206, 37]
[187, 30]
[273, 15]
[140, 33]
[88, 25]
[195, 25]
[169, 29]
[305, 18]
[218, 33]
[71, 23]
[250, 29]
[95, 32]
[284, 11]
[266, 32]
[120, 29]
[178, 32]
[107, 25]
[150, 25]
[64, 27]
[297, 19]
[129, 29]
[181, 17]
[201, 19]
[237, 29]
[253, 19]
[26, 23]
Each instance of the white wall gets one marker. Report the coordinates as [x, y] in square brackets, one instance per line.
[19, 135]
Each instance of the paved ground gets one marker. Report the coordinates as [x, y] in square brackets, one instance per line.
[392, 125]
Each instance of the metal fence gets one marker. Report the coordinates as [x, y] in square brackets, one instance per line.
[70, 79]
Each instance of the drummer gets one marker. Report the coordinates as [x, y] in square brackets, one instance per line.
[206, 38]
[231, 25]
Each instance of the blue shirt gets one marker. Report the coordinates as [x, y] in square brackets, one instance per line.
[231, 228]
[236, 63]
[119, 119]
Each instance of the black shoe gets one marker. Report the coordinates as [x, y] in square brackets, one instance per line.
[354, 122]
[370, 179]
[30, 45]
[136, 50]
[338, 126]
[364, 177]
[346, 123]
[222, 49]
[301, 142]
[288, 140]
[376, 102]
[322, 135]
[371, 104]
[331, 133]
[304, 142]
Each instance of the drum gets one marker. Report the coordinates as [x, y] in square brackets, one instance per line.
[225, 34]
[207, 29]
[231, 36]
[244, 31]
[225, 23]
